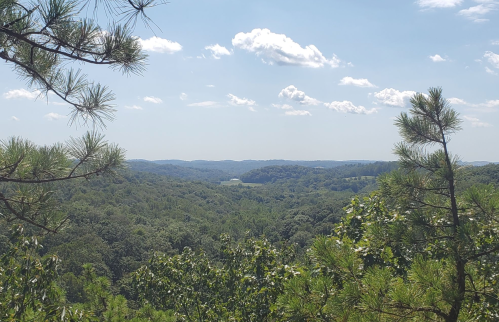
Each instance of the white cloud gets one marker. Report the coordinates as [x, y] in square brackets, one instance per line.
[488, 106]
[204, 104]
[133, 107]
[492, 58]
[475, 122]
[490, 103]
[54, 116]
[283, 106]
[490, 71]
[218, 51]
[292, 93]
[457, 101]
[183, 96]
[494, 42]
[474, 13]
[21, 93]
[439, 3]
[297, 113]
[393, 97]
[349, 107]
[360, 82]
[13, 118]
[160, 45]
[437, 58]
[211, 86]
[281, 49]
[236, 101]
[152, 99]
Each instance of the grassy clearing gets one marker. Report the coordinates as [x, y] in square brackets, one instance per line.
[239, 182]
[362, 178]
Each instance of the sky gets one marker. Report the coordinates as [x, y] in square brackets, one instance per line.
[297, 80]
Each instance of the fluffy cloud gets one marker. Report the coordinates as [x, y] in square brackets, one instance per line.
[349, 107]
[439, 3]
[54, 116]
[236, 101]
[160, 45]
[475, 122]
[492, 58]
[218, 51]
[297, 113]
[457, 101]
[13, 118]
[21, 93]
[494, 42]
[204, 104]
[133, 107]
[283, 106]
[476, 12]
[360, 82]
[152, 99]
[183, 96]
[490, 71]
[437, 58]
[281, 49]
[393, 97]
[211, 86]
[292, 93]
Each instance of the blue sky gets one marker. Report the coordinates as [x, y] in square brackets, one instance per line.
[288, 79]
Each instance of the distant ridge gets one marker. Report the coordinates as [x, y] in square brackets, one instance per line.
[477, 163]
[236, 168]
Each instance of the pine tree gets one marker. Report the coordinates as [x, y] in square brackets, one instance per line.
[419, 249]
[38, 40]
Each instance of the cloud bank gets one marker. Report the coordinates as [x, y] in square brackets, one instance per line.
[292, 93]
[437, 58]
[438, 3]
[359, 82]
[218, 51]
[21, 93]
[54, 116]
[152, 99]
[393, 97]
[160, 45]
[349, 107]
[282, 50]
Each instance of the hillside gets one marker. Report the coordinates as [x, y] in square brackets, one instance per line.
[236, 168]
[181, 172]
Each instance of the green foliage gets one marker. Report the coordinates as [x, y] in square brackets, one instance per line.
[193, 174]
[353, 176]
[38, 39]
[421, 249]
[28, 174]
[243, 288]
[28, 289]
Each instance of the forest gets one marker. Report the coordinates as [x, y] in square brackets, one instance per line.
[119, 227]
[87, 235]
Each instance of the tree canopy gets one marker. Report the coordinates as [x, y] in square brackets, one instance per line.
[416, 250]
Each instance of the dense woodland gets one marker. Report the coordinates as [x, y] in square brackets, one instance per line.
[116, 225]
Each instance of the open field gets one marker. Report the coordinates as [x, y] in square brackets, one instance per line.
[239, 182]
